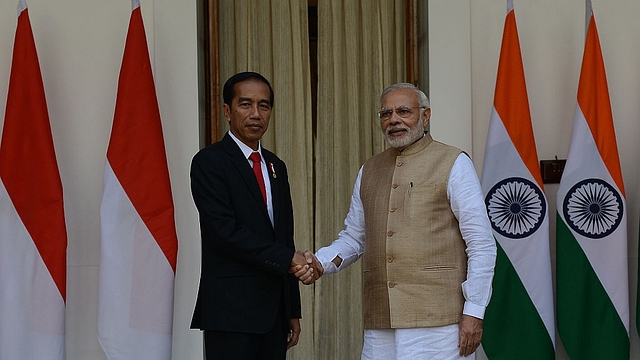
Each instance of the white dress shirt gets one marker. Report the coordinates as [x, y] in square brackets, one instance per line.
[467, 204]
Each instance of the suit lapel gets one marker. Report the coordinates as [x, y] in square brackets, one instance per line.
[244, 169]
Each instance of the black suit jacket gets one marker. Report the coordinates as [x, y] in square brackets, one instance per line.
[244, 258]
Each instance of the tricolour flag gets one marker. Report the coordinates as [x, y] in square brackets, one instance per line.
[519, 321]
[139, 244]
[592, 278]
[33, 235]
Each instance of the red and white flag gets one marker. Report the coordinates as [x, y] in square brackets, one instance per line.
[139, 244]
[33, 235]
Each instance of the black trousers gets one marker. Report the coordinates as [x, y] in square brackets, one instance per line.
[225, 345]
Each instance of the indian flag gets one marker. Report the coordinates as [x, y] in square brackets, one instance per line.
[592, 277]
[519, 321]
[139, 244]
[33, 235]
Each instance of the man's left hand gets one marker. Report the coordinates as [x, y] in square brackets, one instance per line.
[470, 335]
[294, 333]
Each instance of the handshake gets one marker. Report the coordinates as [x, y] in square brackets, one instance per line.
[306, 267]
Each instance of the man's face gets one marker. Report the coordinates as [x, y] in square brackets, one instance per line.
[400, 132]
[249, 112]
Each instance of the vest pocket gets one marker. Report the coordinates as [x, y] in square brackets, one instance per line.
[419, 197]
[438, 268]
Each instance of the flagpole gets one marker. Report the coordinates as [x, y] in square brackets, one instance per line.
[588, 15]
[22, 5]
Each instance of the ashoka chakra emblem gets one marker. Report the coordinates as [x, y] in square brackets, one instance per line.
[593, 208]
[516, 207]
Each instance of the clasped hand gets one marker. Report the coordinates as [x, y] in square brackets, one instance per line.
[306, 267]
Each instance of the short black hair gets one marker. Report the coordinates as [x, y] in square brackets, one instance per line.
[228, 91]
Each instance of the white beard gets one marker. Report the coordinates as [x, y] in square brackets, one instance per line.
[413, 134]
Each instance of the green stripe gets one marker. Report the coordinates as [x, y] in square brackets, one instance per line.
[588, 323]
[513, 328]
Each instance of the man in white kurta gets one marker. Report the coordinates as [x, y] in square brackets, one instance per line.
[418, 219]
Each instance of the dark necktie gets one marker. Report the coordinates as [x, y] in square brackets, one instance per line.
[257, 170]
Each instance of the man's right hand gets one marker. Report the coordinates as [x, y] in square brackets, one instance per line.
[308, 272]
[299, 266]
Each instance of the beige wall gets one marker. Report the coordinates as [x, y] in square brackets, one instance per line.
[465, 38]
[80, 46]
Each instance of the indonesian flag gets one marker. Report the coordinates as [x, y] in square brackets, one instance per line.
[139, 243]
[592, 277]
[519, 321]
[33, 235]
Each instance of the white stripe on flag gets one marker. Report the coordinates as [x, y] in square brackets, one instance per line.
[136, 282]
[31, 308]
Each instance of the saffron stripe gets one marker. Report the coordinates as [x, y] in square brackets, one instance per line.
[594, 101]
[511, 100]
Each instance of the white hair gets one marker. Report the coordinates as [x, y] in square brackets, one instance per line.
[423, 99]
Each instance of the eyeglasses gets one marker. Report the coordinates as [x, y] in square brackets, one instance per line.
[402, 111]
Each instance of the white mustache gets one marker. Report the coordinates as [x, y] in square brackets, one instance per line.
[397, 127]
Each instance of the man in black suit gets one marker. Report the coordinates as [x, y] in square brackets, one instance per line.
[248, 304]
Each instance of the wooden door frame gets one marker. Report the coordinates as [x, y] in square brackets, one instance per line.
[211, 72]
[413, 33]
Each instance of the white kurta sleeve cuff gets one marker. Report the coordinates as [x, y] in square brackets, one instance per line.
[474, 310]
[325, 256]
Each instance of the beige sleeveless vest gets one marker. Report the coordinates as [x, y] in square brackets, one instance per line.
[414, 258]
